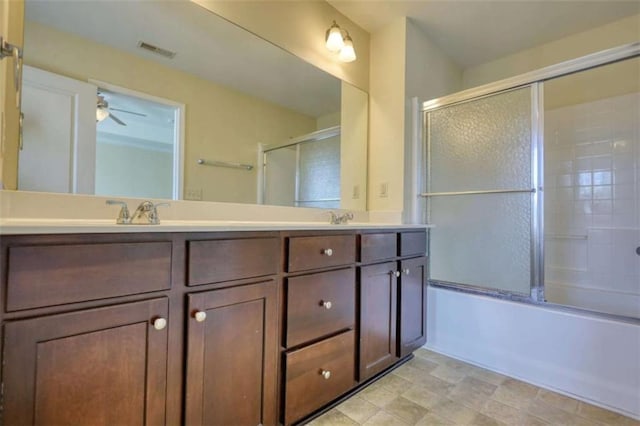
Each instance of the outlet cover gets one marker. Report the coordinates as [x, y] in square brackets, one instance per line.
[356, 192]
[193, 194]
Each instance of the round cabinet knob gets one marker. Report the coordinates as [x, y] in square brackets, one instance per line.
[406, 271]
[394, 273]
[326, 374]
[326, 303]
[159, 323]
[327, 252]
[200, 316]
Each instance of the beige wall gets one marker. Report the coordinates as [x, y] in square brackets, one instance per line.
[617, 33]
[11, 15]
[404, 64]
[386, 117]
[620, 78]
[328, 120]
[221, 124]
[299, 27]
[429, 74]
[353, 148]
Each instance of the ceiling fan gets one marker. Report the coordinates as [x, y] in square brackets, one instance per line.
[103, 111]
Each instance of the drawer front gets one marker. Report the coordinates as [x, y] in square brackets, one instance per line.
[307, 389]
[214, 261]
[413, 243]
[378, 247]
[52, 275]
[320, 252]
[320, 304]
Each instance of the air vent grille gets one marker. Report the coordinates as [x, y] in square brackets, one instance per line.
[157, 50]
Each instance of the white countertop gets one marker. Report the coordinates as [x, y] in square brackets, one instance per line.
[14, 226]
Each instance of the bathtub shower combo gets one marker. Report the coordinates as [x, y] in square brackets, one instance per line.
[534, 185]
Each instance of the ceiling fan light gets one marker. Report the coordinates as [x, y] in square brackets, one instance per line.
[334, 40]
[101, 114]
[347, 53]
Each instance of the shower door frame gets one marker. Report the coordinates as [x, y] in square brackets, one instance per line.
[535, 80]
[317, 136]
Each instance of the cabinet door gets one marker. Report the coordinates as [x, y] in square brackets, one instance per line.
[104, 366]
[378, 292]
[232, 356]
[412, 326]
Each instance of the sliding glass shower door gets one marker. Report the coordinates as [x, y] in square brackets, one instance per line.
[480, 192]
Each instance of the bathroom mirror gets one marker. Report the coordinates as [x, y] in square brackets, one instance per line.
[169, 100]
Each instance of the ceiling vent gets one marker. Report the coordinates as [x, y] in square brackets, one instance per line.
[157, 50]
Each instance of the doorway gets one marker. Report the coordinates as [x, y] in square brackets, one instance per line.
[139, 144]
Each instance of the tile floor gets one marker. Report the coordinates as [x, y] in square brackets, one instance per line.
[432, 389]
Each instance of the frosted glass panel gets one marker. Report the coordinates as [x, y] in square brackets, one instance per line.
[482, 144]
[482, 240]
[319, 174]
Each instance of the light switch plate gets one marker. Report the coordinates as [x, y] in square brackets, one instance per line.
[384, 190]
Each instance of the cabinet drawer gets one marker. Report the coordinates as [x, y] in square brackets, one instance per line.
[214, 261]
[306, 388]
[378, 247]
[51, 275]
[320, 252]
[413, 243]
[320, 304]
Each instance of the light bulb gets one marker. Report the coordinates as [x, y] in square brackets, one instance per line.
[101, 114]
[334, 40]
[347, 53]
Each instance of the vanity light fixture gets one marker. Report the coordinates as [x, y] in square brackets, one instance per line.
[338, 41]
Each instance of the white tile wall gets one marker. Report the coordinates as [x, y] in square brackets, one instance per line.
[592, 200]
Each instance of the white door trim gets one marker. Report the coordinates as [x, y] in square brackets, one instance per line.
[83, 132]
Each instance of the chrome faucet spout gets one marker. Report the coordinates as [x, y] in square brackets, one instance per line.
[147, 213]
[337, 219]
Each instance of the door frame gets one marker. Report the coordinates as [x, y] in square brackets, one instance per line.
[83, 132]
[178, 134]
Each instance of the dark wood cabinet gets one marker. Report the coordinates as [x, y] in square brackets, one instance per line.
[216, 328]
[319, 305]
[317, 374]
[232, 356]
[378, 320]
[412, 305]
[102, 366]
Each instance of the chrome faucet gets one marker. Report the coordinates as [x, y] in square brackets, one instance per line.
[146, 213]
[337, 219]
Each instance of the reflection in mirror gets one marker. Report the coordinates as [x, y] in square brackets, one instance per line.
[185, 85]
[304, 172]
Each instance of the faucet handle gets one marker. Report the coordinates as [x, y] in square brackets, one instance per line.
[124, 217]
[334, 219]
[153, 214]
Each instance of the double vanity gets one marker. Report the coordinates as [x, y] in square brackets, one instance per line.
[230, 324]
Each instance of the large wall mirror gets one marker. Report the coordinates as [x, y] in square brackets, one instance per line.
[168, 100]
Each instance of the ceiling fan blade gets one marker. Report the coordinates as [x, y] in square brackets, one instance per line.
[117, 120]
[128, 112]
